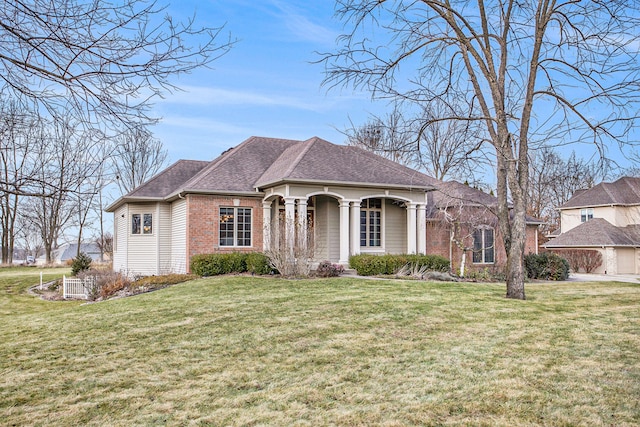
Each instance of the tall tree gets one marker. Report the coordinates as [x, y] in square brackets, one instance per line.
[573, 63]
[19, 140]
[137, 156]
[107, 60]
[70, 157]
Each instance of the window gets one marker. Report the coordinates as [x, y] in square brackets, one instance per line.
[483, 248]
[142, 224]
[235, 227]
[370, 223]
[586, 214]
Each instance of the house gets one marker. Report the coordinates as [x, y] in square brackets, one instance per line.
[605, 218]
[268, 193]
[68, 251]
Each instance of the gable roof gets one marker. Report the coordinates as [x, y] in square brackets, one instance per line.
[237, 169]
[167, 181]
[624, 191]
[318, 160]
[597, 232]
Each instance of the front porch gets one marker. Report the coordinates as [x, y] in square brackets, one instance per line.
[332, 223]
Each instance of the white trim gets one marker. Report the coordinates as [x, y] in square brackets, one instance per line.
[344, 232]
[411, 228]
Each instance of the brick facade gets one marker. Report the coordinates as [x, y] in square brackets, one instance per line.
[438, 243]
[203, 223]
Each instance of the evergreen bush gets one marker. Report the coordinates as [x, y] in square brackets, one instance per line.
[546, 266]
[371, 265]
[258, 263]
[80, 263]
[233, 262]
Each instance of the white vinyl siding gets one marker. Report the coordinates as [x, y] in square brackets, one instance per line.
[327, 229]
[179, 236]
[395, 228]
[143, 251]
[121, 237]
[163, 230]
[321, 228]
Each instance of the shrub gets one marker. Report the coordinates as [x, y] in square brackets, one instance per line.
[233, 262]
[413, 270]
[106, 284]
[205, 265]
[370, 265]
[546, 266]
[327, 269]
[585, 259]
[80, 263]
[258, 263]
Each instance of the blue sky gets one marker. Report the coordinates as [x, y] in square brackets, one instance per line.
[266, 85]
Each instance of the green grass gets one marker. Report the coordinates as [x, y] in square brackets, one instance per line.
[263, 351]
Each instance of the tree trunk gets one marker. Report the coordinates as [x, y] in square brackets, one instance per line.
[515, 272]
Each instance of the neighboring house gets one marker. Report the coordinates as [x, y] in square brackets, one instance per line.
[69, 251]
[253, 196]
[605, 218]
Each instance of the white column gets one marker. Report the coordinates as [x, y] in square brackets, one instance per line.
[411, 228]
[355, 228]
[302, 224]
[277, 227]
[266, 226]
[422, 229]
[344, 232]
[289, 224]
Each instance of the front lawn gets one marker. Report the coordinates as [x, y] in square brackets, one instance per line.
[264, 351]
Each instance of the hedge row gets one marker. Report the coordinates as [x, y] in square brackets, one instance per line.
[370, 265]
[234, 262]
[546, 266]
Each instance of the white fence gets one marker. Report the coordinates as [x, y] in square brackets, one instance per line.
[78, 288]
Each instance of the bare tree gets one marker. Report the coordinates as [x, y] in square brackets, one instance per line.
[106, 60]
[444, 149]
[19, 141]
[387, 136]
[137, 157]
[552, 182]
[448, 149]
[576, 62]
[28, 237]
[69, 159]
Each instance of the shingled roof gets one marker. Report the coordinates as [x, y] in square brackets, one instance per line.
[318, 160]
[238, 169]
[625, 192]
[169, 180]
[597, 232]
[261, 162]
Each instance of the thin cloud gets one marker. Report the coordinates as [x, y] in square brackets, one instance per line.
[204, 124]
[212, 96]
[304, 28]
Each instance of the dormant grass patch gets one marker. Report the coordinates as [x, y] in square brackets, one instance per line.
[262, 351]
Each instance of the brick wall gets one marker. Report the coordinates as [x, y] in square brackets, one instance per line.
[203, 221]
[438, 243]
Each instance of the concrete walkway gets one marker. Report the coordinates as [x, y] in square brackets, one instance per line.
[584, 277]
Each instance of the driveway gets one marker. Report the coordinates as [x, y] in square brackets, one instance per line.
[584, 277]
